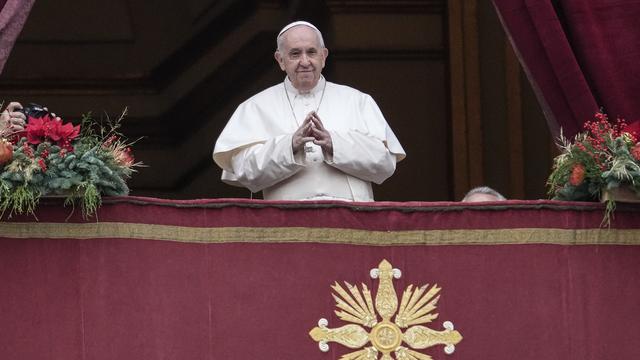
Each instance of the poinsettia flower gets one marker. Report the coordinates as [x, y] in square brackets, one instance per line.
[35, 130]
[54, 130]
[66, 131]
[51, 131]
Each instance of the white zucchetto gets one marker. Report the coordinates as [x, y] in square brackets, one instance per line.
[296, 23]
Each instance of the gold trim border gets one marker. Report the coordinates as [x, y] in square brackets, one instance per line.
[215, 235]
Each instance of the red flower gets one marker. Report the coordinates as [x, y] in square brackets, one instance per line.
[35, 130]
[577, 175]
[127, 158]
[64, 131]
[123, 156]
[635, 151]
[46, 128]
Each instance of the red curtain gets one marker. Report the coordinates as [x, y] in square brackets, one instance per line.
[13, 14]
[241, 280]
[579, 55]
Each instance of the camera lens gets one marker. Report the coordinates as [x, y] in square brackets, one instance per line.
[34, 111]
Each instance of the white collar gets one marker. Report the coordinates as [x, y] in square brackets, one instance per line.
[313, 92]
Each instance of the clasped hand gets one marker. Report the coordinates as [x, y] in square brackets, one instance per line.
[12, 120]
[313, 130]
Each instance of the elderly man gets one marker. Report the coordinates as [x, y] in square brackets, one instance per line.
[307, 138]
[483, 193]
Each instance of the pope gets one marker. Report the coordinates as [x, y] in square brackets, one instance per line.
[307, 138]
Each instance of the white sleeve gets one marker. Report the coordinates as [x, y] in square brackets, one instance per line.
[265, 164]
[362, 156]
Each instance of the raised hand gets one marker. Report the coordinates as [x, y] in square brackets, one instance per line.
[302, 135]
[11, 119]
[321, 136]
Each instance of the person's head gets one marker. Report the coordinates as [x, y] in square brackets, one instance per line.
[483, 193]
[301, 54]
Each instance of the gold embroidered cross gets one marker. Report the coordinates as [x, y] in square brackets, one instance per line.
[386, 337]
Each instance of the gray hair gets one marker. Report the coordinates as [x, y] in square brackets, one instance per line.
[484, 190]
[280, 39]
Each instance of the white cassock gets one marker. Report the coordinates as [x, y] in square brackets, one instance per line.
[254, 149]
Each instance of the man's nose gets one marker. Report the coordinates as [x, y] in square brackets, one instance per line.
[304, 60]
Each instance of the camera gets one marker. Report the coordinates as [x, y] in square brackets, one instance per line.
[34, 111]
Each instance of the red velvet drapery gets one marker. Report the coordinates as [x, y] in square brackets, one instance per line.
[13, 14]
[244, 280]
[579, 55]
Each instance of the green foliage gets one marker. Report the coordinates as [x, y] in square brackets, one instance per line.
[18, 200]
[98, 164]
[605, 157]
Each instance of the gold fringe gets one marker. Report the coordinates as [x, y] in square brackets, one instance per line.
[215, 235]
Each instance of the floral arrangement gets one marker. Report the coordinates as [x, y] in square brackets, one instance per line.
[606, 156]
[51, 157]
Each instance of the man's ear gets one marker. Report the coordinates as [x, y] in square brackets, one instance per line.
[279, 59]
[325, 54]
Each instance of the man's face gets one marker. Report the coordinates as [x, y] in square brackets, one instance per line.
[302, 57]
